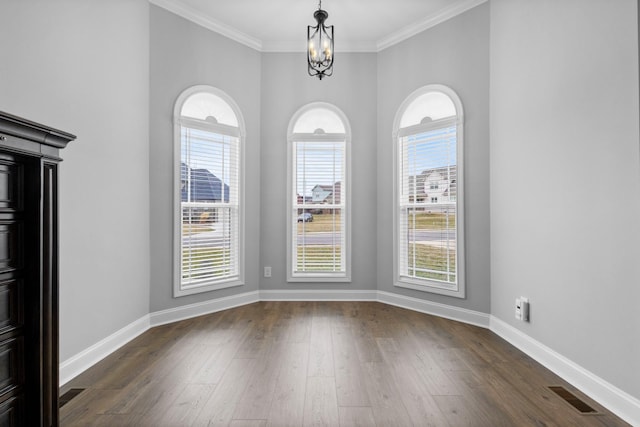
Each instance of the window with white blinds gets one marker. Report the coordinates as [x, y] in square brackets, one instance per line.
[429, 226]
[318, 196]
[208, 230]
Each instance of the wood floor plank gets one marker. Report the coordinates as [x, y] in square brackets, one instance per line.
[448, 360]
[218, 359]
[458, 413]
[437, 381]
[538, 395]
[204, 329]
[356, 416]
[183, 410]
[419, 403]
[145, 395]
[321, 404]
[87, 405]
[218, 410]
[300, 329]
[321, 363]
[122, 372]
[255, 402]
[111, 420]
[364, 339]
[485, 406]
[252, 348]
[287, 406]
[350, 386]
[248, 423]
[519, 407]
[321, 349]
[388, 408]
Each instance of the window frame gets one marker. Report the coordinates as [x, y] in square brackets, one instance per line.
[422, 284]
[292, 138]
[222, 129]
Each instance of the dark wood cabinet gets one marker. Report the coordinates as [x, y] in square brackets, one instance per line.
[29, 157]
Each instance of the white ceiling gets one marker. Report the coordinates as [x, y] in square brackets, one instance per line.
[281, 25]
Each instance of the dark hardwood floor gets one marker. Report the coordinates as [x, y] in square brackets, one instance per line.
[321, 363]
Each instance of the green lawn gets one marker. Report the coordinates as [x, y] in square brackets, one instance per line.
[423, 221]
[432, 221]
[432, 258]
[318, 258]
[189, 229]
[213, 261]
[321, 223]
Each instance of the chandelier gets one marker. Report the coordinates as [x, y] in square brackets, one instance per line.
[320, 46]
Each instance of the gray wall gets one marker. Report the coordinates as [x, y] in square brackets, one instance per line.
[454, 53]
[285, 88]
[82, 66]
[565, 180]
[564, 139]
[184, 54]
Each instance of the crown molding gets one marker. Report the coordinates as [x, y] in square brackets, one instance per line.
[186, 12]
[425, 24]
[196, 17]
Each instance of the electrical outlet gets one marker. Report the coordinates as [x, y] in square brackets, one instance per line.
[524, 308]
[267, 272]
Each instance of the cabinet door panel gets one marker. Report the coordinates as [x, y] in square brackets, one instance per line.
[11, 182]
[11, 364]
[10, 245]
[11, 412]
[11, 303]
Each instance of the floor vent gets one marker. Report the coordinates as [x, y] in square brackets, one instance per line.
[66, 398]
[573, 400]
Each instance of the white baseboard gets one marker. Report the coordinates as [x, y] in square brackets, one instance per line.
[447, 311]
[82, 361]
[198, 309]
[318, 295]
[617, 401]
[77, 364]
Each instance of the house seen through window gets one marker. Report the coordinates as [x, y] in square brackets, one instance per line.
[318, 199]
[208, 194]
[429, 252]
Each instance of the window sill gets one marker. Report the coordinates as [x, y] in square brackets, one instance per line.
[431, 287]
[319, 278]
[179, 291]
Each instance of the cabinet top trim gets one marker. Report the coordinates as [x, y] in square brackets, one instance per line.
[23, 128]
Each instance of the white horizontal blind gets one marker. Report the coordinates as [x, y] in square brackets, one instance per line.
[428, 205]
[209, 207]
[318, 208]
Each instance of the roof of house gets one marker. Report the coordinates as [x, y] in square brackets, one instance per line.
[329, 190]
[329, 187]
[443, 171]
[204, 186]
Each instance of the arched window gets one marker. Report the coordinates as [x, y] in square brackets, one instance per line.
[318, 238]
[208, 140]
[429, 224]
